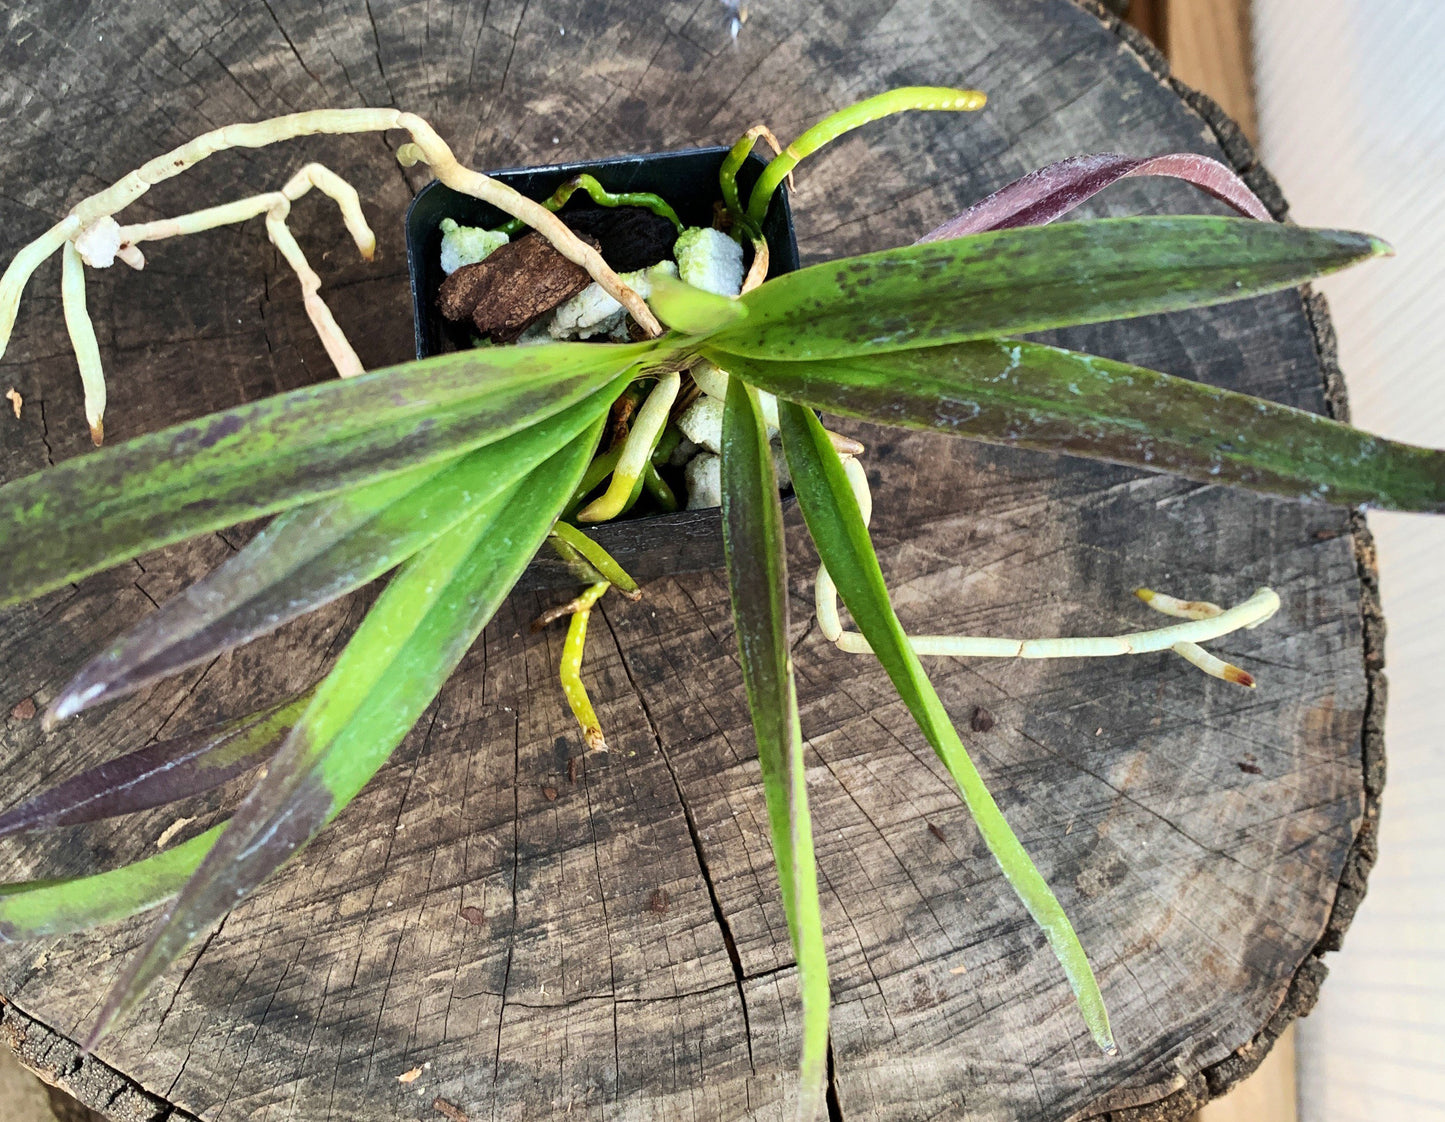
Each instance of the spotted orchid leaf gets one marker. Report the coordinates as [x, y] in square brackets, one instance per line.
[102, 508]
[1037, 277]
[1006, 391]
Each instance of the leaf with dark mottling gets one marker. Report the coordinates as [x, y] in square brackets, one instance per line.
[313, 554]
[1005, 391]
[1037, 277]
[112, 504]
[392, 668]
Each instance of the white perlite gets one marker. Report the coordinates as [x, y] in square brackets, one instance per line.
[703, 476]
[704, 481]
[701, 422]
[593, 312]
[710, 260]
[713, 381]
[99, 242]
[466, 245]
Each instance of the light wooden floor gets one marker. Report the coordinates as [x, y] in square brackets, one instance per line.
[22, 1097]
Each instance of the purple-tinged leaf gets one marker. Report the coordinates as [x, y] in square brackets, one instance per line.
[391, 670]
[1051, 192]
[310, 555]
[159, 773]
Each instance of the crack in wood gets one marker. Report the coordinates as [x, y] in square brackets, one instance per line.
[699, 850]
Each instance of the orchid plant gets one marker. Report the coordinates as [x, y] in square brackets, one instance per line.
[454, 471]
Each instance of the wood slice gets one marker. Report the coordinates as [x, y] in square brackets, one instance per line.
[609, 943]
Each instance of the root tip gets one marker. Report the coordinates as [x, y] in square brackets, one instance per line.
[1239, 677]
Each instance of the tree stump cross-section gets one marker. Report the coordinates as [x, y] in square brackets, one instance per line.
[544, 937]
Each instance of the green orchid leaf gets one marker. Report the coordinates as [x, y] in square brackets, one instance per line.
[836, 525]
[35, 909]
[107, 506]
[692, 310]
[313, 554]
[1028, 279]
[1005, 391]
[293, 539]
[757, 576]
[399, 658]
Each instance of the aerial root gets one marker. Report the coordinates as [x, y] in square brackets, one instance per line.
[1204, 621]
[646, 429]
[584, 552]
[571, 667]
[82, 339]
[342, 356]
[90, 235]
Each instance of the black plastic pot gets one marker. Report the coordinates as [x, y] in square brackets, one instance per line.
[649, 546]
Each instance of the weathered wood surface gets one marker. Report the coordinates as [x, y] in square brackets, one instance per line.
[631, 960]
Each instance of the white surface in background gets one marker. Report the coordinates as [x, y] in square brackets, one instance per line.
[1352, 123]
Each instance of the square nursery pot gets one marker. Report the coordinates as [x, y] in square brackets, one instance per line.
[648, 546]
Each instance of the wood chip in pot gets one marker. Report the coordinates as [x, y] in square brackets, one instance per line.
[512, 287]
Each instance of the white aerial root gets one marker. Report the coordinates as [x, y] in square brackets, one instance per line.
[1205, 621]
[429, 148]
[648, 426]
[337, 348]
[90, 235]
[312, 175]
[1192, 652]
[276, 206]
[82, 338]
